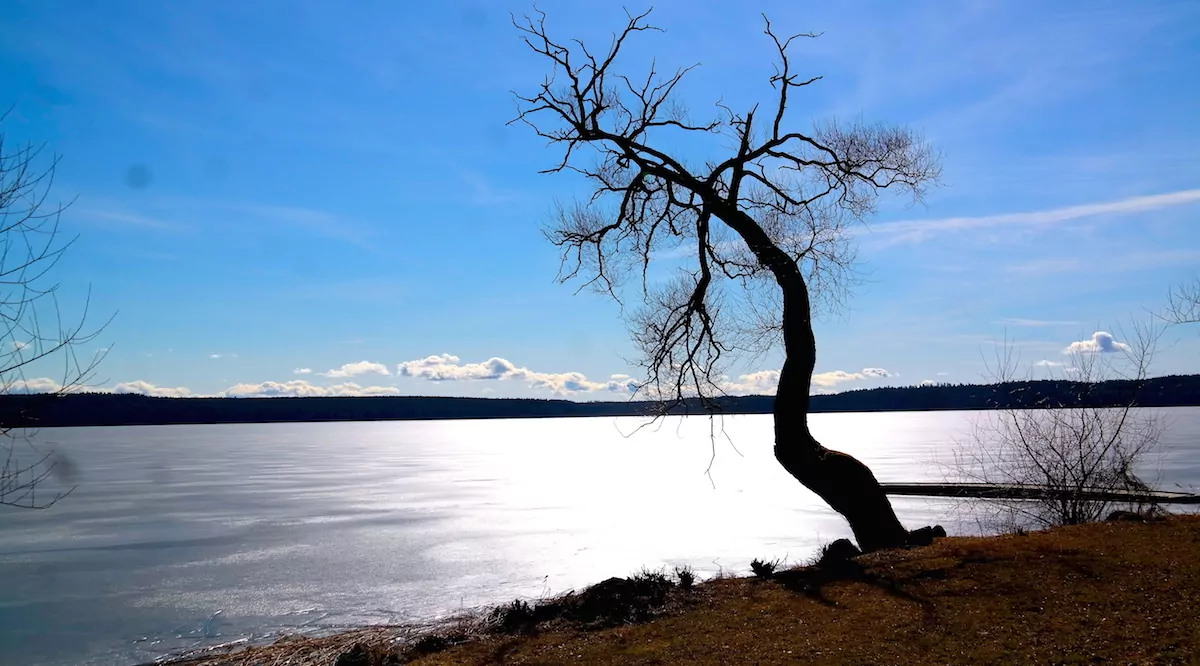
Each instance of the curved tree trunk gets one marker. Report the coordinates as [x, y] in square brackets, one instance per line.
[846, 484]
[839, 479]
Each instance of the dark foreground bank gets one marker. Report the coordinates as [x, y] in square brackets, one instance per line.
[106, 409]
[1118, 592]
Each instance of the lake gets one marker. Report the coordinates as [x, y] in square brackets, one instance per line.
[181, 536]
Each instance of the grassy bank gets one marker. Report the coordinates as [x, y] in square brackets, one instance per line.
[1122, 592]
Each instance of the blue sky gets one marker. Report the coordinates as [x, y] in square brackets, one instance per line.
[270, 187]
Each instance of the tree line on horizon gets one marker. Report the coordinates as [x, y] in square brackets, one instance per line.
[110, 409]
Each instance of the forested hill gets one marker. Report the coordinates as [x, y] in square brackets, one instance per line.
[96, 409]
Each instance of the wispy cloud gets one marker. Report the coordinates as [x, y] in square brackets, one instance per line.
[1041, 266]
[1120, 263]
[1018, 321]
[484, 193]
[319, 222]
[302, 371]
[126, 219]
[913, 231]
[993, 340]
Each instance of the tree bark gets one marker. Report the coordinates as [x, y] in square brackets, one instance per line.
[846, 484]
[842, 481]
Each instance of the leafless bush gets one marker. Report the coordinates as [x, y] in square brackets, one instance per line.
[1070, 444]
[33, 332]
[763, 568]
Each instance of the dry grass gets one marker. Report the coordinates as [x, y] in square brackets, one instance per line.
[1126, 593]
[368, 646]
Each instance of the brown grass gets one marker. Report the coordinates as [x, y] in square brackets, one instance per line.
[1123, 593]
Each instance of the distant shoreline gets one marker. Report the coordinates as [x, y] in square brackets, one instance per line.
[107, 409]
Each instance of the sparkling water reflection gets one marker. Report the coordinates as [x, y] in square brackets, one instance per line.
[189, 535]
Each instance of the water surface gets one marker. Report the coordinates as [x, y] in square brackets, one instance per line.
[180, 536]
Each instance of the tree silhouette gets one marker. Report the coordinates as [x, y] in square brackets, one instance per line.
[766, 228]
[33, 332]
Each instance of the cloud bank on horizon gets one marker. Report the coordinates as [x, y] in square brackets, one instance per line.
[448, 368]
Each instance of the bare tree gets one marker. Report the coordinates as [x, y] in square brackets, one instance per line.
[763, 231]
[1071, 444]
[33, 332]
[1183, 304]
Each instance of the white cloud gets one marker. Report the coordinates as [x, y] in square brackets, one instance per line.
[1100, 342]
[919, 230]
[928, 382]
[222, 355]
[298, 388]
[355, 369]
[36, 385]
[146, 388]
[763, 382]
[448, 367]
[47, 385]
[302, 371]
[352, 389]
[1048, 364]
[18, 345]
[942, 374]
[835, 377]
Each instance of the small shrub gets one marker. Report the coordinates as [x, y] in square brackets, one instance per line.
[512, 618]
[608, 603]
[764, 569]
[646, 577]
[686, 576]
[620, 600]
